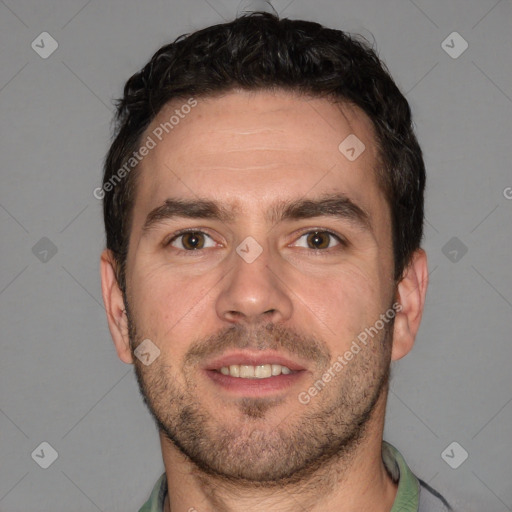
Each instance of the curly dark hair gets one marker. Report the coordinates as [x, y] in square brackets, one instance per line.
[262, 52]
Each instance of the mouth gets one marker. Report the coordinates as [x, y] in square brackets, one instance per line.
[254, 374]
[261, 371]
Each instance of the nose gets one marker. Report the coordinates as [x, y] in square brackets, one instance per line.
[254, 292]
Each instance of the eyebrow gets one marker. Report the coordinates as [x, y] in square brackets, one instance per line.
[331, 205]
[191, 209]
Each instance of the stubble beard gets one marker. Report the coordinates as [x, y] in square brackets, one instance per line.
[239, 449]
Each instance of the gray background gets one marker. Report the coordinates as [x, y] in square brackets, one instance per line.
[60, 379]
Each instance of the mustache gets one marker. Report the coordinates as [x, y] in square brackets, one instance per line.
[260, 337]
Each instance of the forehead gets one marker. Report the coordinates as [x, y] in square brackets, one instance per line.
[251, 149]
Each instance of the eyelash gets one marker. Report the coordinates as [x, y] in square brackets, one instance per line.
[197, 252]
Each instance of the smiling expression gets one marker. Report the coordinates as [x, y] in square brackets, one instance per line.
[258, 252]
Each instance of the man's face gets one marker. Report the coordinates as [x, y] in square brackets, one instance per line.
[273, 276]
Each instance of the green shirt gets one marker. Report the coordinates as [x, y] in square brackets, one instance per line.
[412, 495]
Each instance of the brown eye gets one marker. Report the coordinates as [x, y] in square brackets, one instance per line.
[193, 240]
[319, 240]
[190, 241]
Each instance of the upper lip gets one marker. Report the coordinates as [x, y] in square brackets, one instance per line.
[253, 358]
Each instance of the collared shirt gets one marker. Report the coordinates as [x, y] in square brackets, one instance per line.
[413, 495]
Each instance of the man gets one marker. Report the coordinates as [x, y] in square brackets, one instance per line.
[263, 204]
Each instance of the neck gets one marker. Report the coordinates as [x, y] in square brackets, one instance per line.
[355, 480]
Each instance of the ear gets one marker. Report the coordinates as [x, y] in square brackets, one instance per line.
[411, 293]
[115, 307]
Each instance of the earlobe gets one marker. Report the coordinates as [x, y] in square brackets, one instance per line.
[411, 293]
[115, 307]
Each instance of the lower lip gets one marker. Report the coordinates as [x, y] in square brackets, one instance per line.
[255, 387]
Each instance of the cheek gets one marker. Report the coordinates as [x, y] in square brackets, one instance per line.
[344, 303]
[166, 306]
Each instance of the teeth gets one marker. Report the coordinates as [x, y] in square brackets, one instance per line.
[262, 371]
[246, 371]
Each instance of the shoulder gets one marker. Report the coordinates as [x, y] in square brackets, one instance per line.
[431, 500]
[155, 502]
[412, 493]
